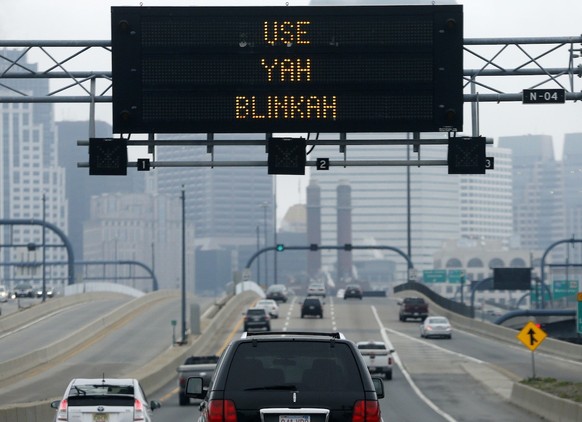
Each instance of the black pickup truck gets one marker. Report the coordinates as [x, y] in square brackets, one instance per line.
[195, 366]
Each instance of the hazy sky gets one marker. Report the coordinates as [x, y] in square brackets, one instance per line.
[90, 19]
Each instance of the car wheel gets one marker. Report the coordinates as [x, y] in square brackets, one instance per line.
[450, 336]
[302, 316]
[183, 400]
[388, 374]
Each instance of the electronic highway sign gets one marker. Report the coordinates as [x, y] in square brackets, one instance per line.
[287, 69]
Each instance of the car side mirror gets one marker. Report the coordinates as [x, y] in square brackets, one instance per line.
[379, 387]
[194, 388]
[55, 404]
[399, 302]
[155, 405]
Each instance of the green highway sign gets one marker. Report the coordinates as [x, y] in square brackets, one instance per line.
[434, 276]
[456, 276]
[579, 314]
[564, 288]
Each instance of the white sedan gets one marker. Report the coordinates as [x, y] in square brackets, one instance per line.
[436, 326]
[270, 306]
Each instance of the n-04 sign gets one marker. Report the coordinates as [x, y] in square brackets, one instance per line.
[544, 96]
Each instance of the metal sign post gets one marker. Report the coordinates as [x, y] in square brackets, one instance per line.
[532, 336]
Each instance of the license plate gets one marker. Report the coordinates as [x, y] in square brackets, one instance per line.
[372, 368]
[294, 418]
[101, 417]
[416, 313]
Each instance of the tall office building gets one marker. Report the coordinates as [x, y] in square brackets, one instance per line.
[380, 207]
[572, 164]
[80, 186]
[486, 200]
[538, 191]
[32, 186]
[232, 208]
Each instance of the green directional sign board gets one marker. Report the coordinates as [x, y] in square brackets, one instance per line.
[456, 276]
[579, 314]
[434, 276]
[565, 288]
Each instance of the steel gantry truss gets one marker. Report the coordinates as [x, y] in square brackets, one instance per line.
[524, 59]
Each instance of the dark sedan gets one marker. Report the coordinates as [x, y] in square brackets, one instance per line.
[353, 291]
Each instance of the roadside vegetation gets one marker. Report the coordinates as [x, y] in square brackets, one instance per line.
[564, 389]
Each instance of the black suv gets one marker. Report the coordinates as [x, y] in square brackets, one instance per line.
[273, 377]
[312, 306]
[257, 319]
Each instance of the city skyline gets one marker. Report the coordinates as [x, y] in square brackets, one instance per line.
[66, 19]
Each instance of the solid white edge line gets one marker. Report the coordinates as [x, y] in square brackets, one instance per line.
[414, 387]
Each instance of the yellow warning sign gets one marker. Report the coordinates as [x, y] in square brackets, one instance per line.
[531, 336]
[579, 296]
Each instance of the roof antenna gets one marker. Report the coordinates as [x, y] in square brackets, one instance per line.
[103, 380]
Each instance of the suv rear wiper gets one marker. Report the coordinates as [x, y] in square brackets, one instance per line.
[273, 387]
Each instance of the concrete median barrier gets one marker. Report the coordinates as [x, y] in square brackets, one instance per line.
[157, 373]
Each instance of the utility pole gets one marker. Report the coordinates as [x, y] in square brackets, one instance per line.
[183, 198]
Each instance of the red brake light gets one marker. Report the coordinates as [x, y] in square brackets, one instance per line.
[62, 412]
[221, 411]
[138, 413]
[366, 411]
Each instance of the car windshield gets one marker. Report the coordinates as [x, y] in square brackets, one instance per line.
[100, 389]
[293, 365]
[438, 321]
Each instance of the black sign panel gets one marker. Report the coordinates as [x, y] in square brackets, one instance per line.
[107, 157]
[287, 156]
[287, 69]
[466, 155]
[511, 278]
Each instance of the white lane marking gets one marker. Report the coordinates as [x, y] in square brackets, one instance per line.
[414, 387]
[332, 314]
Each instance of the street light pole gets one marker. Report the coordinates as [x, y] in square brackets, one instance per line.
[183, 197]
[275, 229]
[43, 247]
[265, 205]
[258, 249]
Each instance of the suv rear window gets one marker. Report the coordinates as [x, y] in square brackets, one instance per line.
[307, 366]
[256, 312]
[414, 301]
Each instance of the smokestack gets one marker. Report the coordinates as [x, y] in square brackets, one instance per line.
[313, 192]
[344, 230]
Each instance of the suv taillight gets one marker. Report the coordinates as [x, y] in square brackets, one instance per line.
[138, 412]
[366, 411]
[221, 411]
[62, 412]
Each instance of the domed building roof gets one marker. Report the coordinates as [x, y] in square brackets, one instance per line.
[295, 219]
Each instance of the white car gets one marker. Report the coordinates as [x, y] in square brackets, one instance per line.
[436, 326]
[104, 400]
[270, 306]
[3, 293]
[316, 289]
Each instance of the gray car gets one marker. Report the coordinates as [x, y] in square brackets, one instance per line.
[436, 326]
